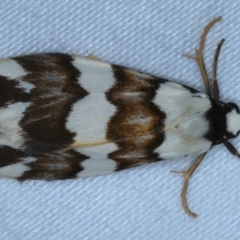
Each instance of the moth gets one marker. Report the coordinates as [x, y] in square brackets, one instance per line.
[64, 116]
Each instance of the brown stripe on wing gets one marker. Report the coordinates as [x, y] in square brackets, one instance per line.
[9, 156]
[46, 166]
[56, 90]
[11, 92]
[55, 166]
[137, 126]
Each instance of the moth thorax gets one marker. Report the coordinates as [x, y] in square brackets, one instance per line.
[233, 120]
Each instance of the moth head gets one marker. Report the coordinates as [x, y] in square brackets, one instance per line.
[233, 120]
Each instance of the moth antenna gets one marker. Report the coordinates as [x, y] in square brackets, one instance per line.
[231, 149]
[214, 84]
[199, 55]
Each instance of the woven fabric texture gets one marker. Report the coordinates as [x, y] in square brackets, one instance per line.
[142, 203]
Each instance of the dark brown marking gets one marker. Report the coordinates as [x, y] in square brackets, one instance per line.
[137, 126]
[125, 163]
[190, 89]
[56, 90]
[54, 166]
[11, 92]
[9, 156]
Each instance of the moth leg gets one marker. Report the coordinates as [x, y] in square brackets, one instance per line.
[214, 83]
[199, 55]
[187, 175]
[231, 149]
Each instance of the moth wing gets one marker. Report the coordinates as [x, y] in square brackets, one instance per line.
[65, 116]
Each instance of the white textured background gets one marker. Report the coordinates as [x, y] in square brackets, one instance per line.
[142, 203]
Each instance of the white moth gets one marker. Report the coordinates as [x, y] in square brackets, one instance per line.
[65, 116]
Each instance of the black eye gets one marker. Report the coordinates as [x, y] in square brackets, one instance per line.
[233, 105]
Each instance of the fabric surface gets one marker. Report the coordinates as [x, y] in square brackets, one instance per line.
[141, 203]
